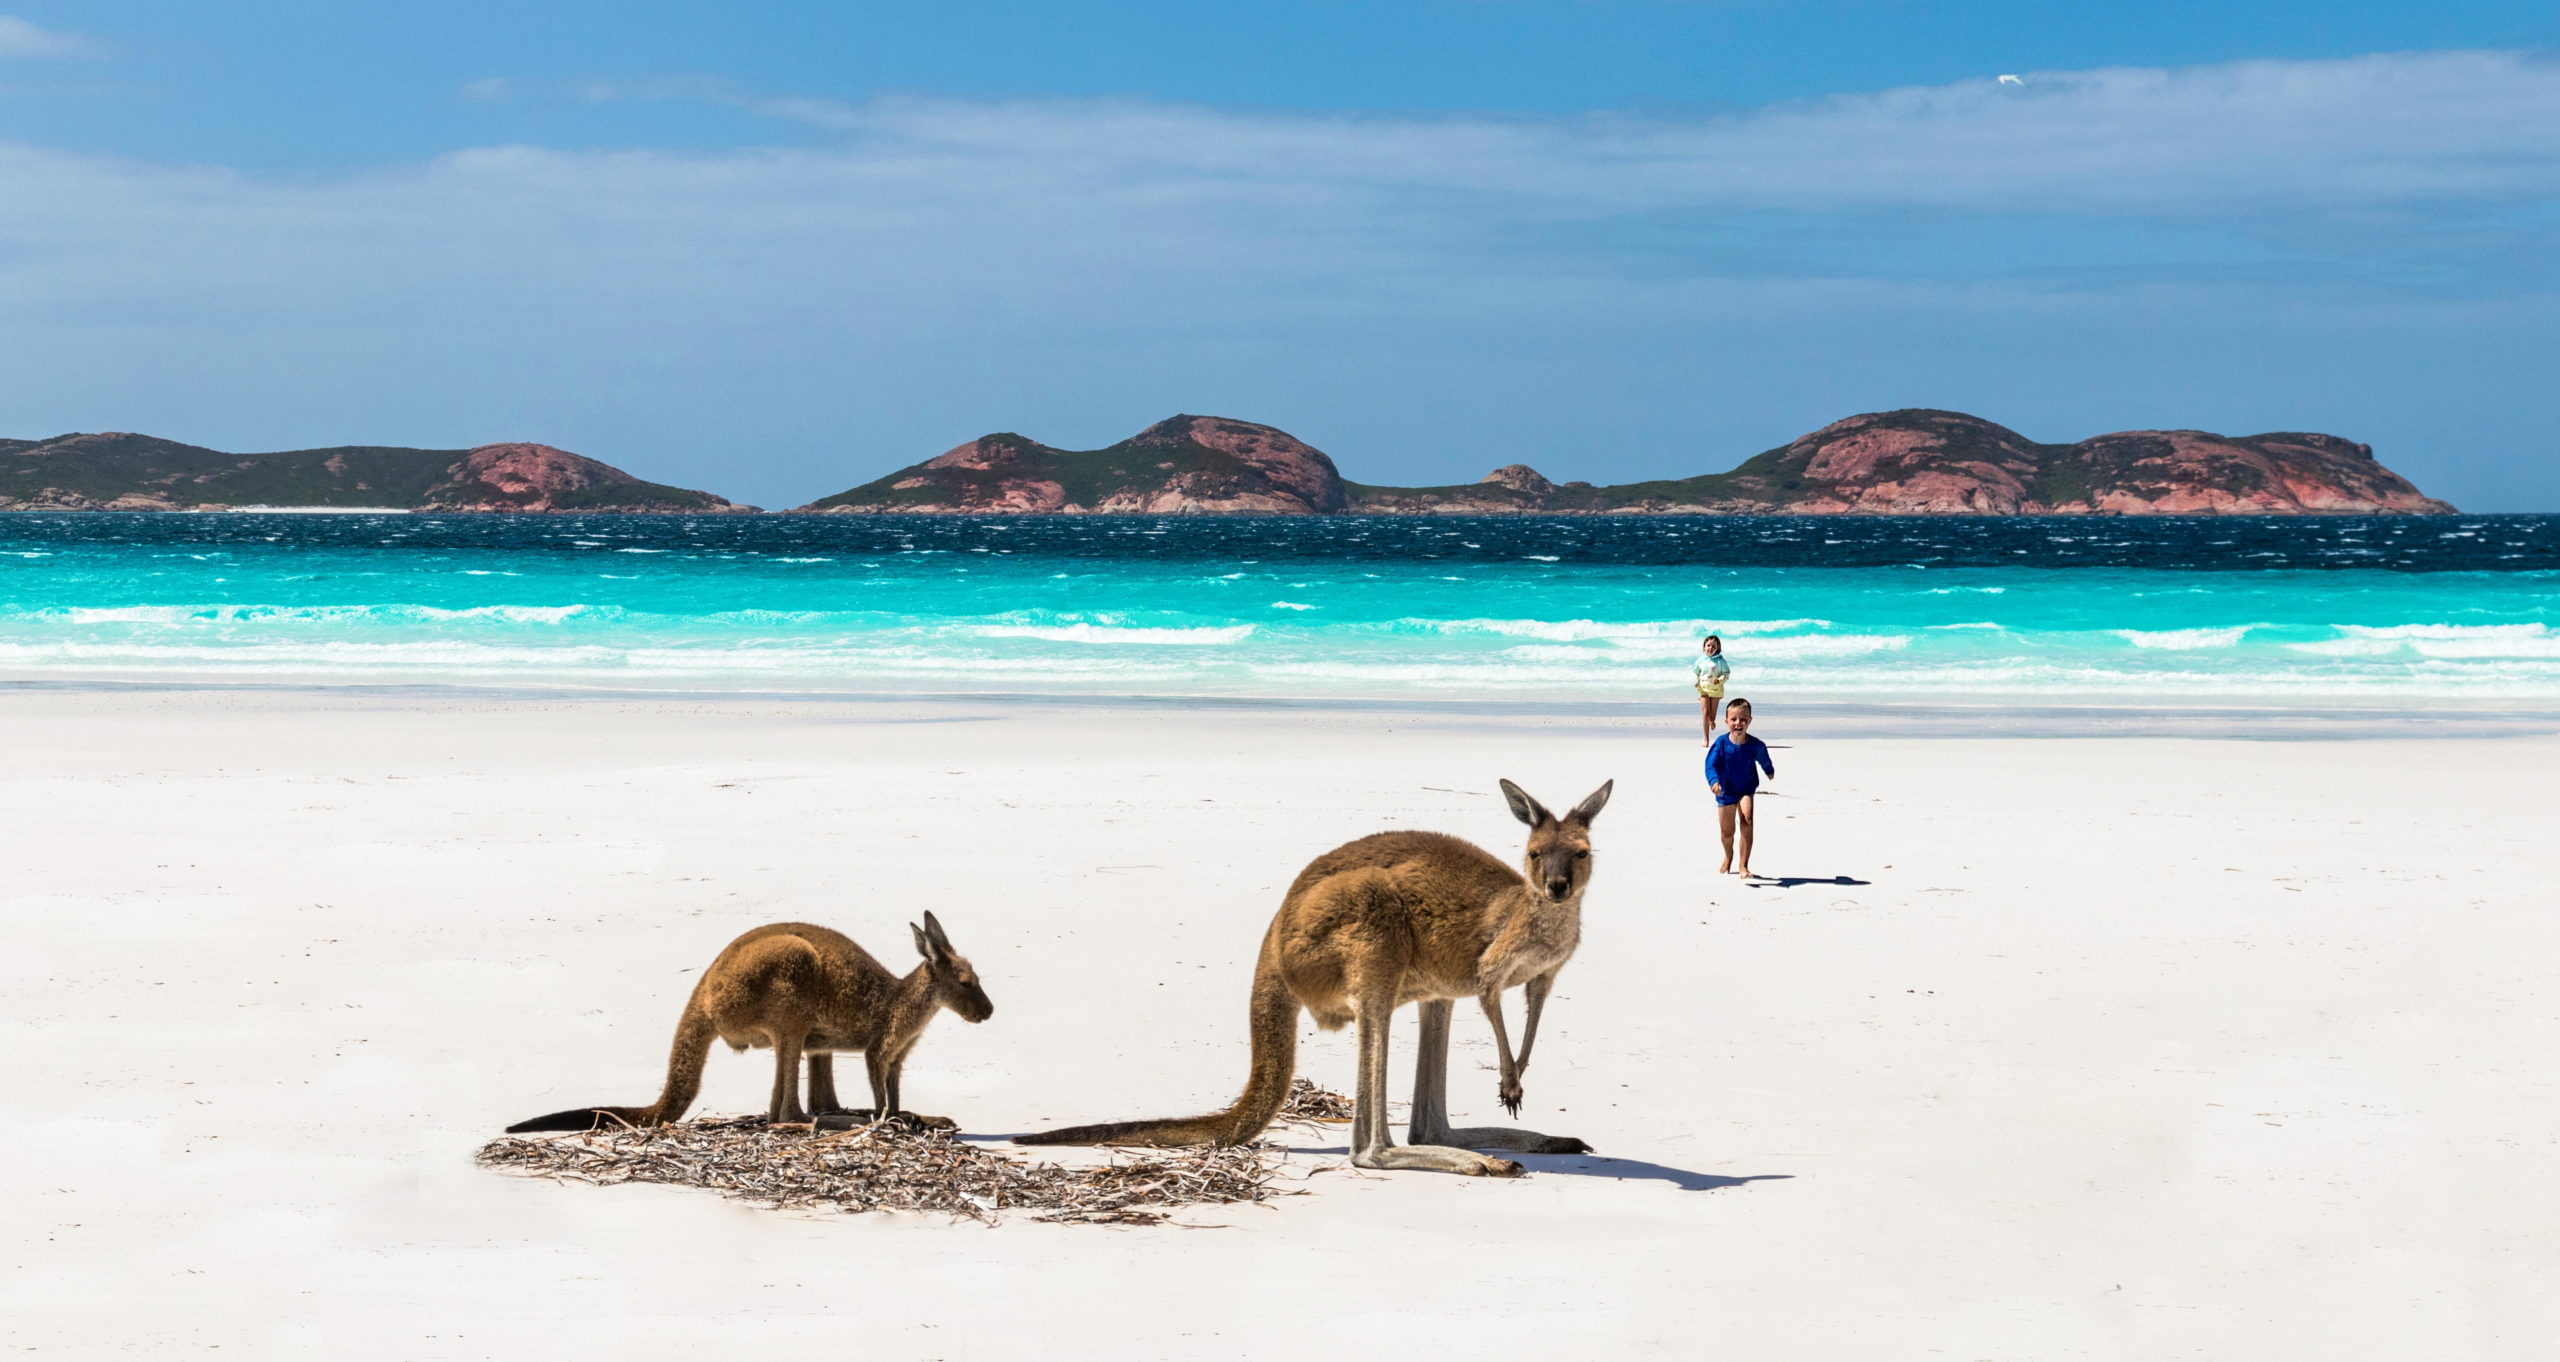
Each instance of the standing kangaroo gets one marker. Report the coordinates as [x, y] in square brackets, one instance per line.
[800, 988]
[1395, 918]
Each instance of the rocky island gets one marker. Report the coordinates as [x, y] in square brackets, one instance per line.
[1909, 462]
[116, 471]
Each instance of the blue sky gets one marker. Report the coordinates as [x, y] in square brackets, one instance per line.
[775, 250]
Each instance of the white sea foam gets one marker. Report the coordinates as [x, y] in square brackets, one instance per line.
[2449, 641]
[1822, 645]
[1566, 631]
[389, 613]
[1104, 633]
[2183, 640]
[321, 510]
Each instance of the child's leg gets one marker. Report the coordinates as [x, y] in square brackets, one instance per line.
[1707, 716]
[1724, 825]
[1742, 823]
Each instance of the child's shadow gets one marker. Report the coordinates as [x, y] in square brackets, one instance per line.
[1791, 881]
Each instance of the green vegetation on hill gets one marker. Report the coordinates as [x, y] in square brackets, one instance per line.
[105, 467]
[1136, 467]
[141, 471]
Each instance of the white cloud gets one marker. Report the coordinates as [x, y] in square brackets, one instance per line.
[2392, 128]
[2383, 129]
[2384, 169]
[21, 39]
[931, 251]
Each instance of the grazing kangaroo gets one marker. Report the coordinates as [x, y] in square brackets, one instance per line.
[1395, 918]
[804, 989]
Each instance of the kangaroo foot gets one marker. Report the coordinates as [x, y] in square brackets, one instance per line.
[1430, 1158]
[1521, 1141]
[862, 1116]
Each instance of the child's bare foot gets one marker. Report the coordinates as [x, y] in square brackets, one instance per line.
[1746, 873]
[1725, 868]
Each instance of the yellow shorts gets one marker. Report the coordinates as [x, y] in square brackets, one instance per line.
[1710, 692]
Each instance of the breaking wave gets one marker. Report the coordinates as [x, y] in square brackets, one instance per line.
[1358, 610]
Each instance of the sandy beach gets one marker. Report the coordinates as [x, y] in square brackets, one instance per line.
[2038, 1046]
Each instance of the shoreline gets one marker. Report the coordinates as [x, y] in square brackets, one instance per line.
[1979, 716]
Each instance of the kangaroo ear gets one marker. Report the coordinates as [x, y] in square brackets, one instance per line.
[933, 931]
[924, 944]
[1524, 808]
[1592, 804]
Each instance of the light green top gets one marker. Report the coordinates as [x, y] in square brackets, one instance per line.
[1709, 671]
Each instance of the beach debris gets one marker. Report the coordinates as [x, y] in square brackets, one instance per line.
[897, 1166]
[1308, 1104]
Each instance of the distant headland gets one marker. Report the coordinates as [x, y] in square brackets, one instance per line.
[116, 471]
[1910, 462]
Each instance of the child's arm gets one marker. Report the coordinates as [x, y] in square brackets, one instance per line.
[1760, 753]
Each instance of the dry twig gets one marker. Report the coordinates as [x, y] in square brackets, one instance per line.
[1311, 1105]
[894, 1166]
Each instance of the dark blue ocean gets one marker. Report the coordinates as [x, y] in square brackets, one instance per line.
[2247, 610]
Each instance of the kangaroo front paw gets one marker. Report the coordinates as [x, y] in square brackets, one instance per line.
[1502, 1168]
[1509, 1095]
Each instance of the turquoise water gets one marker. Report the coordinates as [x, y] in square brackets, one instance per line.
[2274, 611]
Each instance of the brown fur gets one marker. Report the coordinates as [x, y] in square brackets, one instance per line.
[1395, 918]
[796, 989]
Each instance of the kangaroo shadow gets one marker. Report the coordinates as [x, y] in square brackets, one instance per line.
[1791, 881]
[1602, 1166]
[1598, 1166]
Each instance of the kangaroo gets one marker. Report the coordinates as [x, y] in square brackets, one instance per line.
[798, 989]
[1395, 918]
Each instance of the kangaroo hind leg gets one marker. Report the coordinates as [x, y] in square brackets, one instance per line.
[1371, 1144]
[785, 1106]
[822, 1088]
[898, 1096]
[1431, 1101]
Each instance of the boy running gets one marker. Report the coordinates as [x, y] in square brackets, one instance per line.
[1734, 765]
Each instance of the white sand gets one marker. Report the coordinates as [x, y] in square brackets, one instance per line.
[2117, 1049]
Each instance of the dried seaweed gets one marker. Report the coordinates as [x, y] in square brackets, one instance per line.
[896, 1166]
[1310, 1105]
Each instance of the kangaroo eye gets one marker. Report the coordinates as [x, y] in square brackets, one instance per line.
[1582, 855]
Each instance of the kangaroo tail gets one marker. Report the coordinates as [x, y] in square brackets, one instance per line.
[694, 1034]
[1275, 1061]
[586, 1118]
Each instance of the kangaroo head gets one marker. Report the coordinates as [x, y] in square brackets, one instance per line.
[1558, 861]
[955, 982]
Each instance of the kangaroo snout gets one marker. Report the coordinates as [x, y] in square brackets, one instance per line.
[1558, 887]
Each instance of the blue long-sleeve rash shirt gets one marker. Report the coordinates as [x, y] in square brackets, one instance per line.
[1730, 764]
